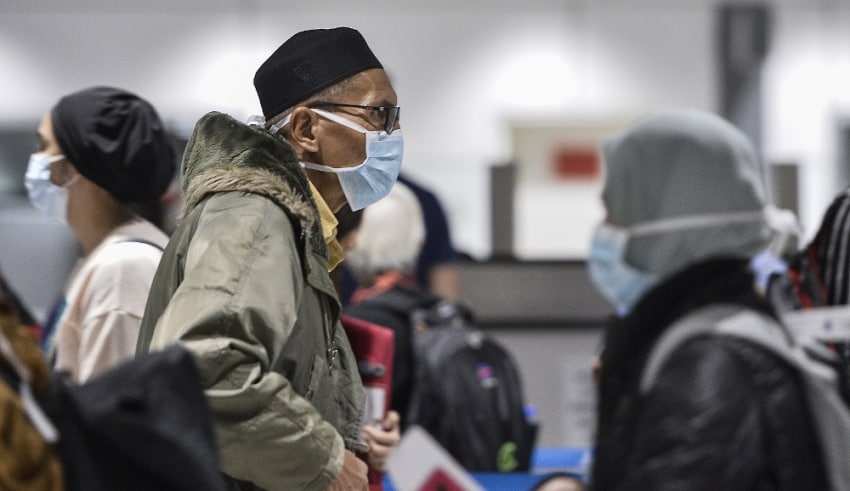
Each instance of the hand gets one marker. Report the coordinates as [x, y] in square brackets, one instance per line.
[352, 476]
[382, 440]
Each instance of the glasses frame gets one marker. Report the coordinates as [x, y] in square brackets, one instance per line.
[392, 114]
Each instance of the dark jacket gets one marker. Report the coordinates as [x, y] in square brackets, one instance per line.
[243, 284]
[392, 309]
[723, 414]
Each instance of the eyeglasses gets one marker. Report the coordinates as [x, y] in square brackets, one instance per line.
[391, 114]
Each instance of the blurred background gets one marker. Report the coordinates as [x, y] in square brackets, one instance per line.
[503, 104]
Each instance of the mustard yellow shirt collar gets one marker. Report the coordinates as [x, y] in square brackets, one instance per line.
[329, 225]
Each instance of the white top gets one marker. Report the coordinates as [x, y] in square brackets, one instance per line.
[105, 301]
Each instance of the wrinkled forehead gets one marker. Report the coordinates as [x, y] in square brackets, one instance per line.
[373, 87]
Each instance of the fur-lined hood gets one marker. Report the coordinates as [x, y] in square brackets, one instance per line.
[224, 155]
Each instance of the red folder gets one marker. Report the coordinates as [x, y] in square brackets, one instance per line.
[373, 347]
[439, 480]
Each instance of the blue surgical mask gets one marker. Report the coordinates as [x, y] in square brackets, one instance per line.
[621, 283]
[51, 200]
[370, 181]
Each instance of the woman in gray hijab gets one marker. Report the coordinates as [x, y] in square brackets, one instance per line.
[685, 202]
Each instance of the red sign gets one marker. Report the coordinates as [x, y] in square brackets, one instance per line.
[575, 162]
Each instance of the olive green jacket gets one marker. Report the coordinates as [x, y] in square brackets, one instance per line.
[244, 285]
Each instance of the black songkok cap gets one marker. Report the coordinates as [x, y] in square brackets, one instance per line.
[116, 140]
[309, 62]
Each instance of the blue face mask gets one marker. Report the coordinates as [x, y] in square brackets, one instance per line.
[622, 284]
[51, 200]
[370, 181]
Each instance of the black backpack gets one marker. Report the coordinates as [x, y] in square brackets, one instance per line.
[467, 389]
[142, 425]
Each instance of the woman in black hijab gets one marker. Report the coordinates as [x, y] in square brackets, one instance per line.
[103, 152]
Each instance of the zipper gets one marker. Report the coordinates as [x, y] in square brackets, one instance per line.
[330, 340]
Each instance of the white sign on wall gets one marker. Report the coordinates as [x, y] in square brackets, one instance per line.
[559, 183]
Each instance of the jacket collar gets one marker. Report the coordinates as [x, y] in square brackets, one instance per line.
[329, 229]
[225, 155]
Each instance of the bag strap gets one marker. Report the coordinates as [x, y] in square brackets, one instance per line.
[724, 319]
[143, 241]
[400, 302]
[33, 410]
[404, 305]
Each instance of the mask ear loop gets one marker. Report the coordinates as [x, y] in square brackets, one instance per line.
[54, 158]
[70, 182]
[273, 129]
[325, 114]
[687, 222]
[33, 411]
[343, 121]
[256, 120]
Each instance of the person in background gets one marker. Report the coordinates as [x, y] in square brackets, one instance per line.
[347, 224]
[244, 283]
[819, 274]
[102, 150]
[819, 270]
[385, 437]
[383, 259]
[685, 201]
[437, 264]
[437, 268]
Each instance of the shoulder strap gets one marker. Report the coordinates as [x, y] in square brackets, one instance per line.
[700, 322]
[399, 302]
[730, 320]
[144, 241]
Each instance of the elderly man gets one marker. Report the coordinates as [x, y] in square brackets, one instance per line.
[244, 282]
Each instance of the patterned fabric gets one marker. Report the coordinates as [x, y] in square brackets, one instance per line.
[28, 462]
[831, 245]
[820, 273]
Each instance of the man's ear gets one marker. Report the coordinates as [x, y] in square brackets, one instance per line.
[301, 128]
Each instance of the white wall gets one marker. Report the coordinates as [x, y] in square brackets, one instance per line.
[807, 93]
[465, 72]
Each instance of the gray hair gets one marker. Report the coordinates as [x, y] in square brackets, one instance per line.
[390, 236]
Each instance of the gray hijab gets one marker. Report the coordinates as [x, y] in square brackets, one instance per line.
[685, 163]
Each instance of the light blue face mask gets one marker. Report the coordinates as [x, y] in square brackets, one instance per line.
[51, 200]
[622, 284]
[370, 181]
